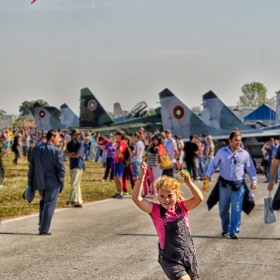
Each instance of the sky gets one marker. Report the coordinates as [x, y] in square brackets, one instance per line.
[128, 51]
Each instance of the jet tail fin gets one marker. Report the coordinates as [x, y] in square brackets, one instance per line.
[44, 119]
[217, 114]
[177, 117]
[92, 114]
[68, 117]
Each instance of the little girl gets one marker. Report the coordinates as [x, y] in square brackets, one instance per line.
[177, 255]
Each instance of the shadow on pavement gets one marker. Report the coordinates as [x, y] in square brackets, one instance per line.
[136, 234]
[19, 233]
[240, 237]
[204, 236]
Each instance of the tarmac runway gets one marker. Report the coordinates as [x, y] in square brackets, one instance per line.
[113, 239]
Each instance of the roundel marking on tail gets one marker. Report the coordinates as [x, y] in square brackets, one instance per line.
[42, 114]
[92, 105]
[178, 112]
[58, 117]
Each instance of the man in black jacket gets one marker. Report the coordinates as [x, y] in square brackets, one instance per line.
[190, 155]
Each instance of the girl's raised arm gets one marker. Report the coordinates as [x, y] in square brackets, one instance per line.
[197, 198]
[142, 203]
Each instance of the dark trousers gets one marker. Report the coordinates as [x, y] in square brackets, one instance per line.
[47, 206]
[127, 173]
[266, 167]
[191, 167]
[169, 172]
[17, 156]
[109, 166]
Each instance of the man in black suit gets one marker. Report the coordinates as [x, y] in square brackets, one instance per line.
[46, 174]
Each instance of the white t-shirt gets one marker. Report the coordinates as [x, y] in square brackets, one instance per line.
[171, 146]
[140, 146]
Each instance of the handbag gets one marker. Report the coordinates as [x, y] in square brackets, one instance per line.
[269, 214]
[165, 162]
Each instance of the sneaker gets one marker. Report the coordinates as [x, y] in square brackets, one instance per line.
[45, 233]
[117, 195]
[225, 234]
[235, 236]
[103, 180]
[1, 186]
[78, 205]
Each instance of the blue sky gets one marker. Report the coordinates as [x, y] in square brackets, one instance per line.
[128, 51]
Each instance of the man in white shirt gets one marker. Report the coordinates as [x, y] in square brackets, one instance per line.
[137, 154]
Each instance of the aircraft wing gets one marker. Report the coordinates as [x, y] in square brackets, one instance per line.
[264, 134]
[129, 128]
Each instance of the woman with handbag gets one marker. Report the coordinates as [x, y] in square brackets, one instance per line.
[171, 151]
[156, 151]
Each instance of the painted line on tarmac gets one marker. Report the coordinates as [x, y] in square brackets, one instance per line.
[57, 210]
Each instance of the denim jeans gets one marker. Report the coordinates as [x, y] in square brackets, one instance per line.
[97, 155]
[201, 166]
[231, 222]
[87, 150]
[136, 169]
[207, 163]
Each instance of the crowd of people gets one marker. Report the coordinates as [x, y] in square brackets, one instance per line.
[138, 158]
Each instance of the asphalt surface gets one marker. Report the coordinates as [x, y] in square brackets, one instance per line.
[113, 239]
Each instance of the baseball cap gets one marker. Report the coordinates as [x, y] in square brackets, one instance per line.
[209, 137]
[167, 131]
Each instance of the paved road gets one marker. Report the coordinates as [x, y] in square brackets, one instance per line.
[113, 239]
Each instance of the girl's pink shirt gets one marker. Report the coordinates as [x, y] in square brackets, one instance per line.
[172, 216]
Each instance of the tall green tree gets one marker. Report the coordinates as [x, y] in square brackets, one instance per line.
[254, 94]
[25, 106]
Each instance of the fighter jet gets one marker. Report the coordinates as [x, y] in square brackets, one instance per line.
[45, 120]
[216, 114]
[139, 110]
[177, 117]
[92, 114]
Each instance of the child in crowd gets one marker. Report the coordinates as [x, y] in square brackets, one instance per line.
[177, 255]
[16, 148]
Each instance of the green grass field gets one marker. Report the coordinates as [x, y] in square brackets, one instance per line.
[12, 204]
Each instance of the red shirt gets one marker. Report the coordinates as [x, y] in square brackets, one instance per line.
[105, 141]
[122, 147]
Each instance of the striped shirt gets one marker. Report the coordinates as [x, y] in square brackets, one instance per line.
[233, 166]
